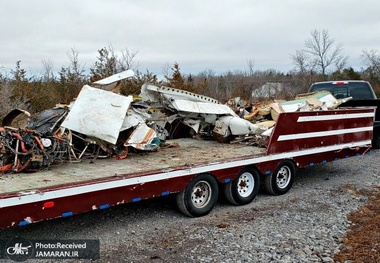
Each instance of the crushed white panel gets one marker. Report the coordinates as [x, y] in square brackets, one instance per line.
[130, 121]
[98, 113]
[147, 93]
[239, 126]
[291, 107]
[116, 77]
[236, 125]
[268, 132]
[209, 118]
[141, 137]
[194, 124]
[221, 126]
[202, 107]
[329, 100]
[134, 117]
[154, 93]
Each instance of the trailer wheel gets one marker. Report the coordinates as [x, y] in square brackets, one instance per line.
[281, 180]
[376, 138]
[244, 188]
[199, 197]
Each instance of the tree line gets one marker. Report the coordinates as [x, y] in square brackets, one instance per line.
[321, 59]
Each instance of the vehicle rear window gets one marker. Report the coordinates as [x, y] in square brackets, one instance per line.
[358, 91]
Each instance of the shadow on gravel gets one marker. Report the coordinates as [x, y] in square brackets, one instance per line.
[362, 242]
[90, 224]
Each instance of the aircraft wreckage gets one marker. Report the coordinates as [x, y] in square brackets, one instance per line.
[101, 124]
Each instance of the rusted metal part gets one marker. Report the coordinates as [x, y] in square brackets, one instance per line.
[27, 150]
[6, 168]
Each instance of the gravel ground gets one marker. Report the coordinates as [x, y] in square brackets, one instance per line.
[305, 225]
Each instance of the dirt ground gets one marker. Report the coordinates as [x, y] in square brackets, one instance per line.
[362, 242]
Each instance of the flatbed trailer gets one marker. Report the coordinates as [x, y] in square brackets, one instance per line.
[195, 171]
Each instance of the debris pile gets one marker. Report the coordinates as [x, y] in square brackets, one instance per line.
[101, 124]
[265, 113]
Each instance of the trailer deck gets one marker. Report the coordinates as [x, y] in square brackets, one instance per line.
[189, 152]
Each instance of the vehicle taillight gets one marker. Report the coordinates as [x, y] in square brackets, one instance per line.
[340, 82]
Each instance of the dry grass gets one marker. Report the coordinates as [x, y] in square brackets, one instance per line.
[362, 242]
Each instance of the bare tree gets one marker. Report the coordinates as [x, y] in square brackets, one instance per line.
[319, 56]
[128, 60]
[74, 73]
[166, 69]
[302, 62]
[72, 77]
[76, 67]
[304, 71]
[251, 66]
[372, 59]
[48, 74]
[323, 53]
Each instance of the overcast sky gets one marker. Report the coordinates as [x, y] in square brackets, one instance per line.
[199, 35]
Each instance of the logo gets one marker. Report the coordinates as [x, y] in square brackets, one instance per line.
[19, 249]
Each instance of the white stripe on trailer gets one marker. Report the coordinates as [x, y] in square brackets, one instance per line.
[297, 136]
[33, 196]
[335, 117]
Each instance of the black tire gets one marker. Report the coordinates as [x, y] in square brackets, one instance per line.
[282, 178]
[376, 139]
[244, 188]
[199, 196]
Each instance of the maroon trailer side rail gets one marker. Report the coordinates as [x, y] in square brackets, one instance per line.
[299, 139]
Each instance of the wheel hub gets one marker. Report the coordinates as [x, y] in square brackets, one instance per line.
[201, 194]
[246, 184]
[283, 177]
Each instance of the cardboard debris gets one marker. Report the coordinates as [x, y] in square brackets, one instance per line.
[309, 102]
